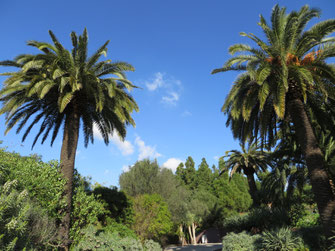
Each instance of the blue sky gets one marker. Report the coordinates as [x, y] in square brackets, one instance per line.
[173, 45]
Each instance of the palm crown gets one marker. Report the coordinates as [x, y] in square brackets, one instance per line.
[290, 63]
[251, 161]
[55, 83]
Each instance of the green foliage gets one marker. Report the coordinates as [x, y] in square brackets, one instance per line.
[233, 196]
[204, 175]
[280, 240]
[302, 215]
[257, 220]
[23, 223]
[86, 211]
[93, 239]
[188, 174]
[42, 180]
[60, 87]
[123, 230]
[313, 237]
[142, 178]
[152, 217]
[240, 242]
[150, 245]
[118, 205]
[44, 185]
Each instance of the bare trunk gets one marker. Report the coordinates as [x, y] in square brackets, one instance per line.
[318, 175]
[67, 160]
[193, 233]
[252, 185]
[190, 232]
[181, 234]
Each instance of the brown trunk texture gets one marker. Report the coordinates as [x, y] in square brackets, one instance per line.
[67, 160]
[252, 184]
[318, 175]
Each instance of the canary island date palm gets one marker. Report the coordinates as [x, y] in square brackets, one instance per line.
[58, 87]
[279, 78]
[251, 161]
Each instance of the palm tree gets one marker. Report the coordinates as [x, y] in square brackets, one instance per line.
[59, 87]
[280, 79]
[251, 161]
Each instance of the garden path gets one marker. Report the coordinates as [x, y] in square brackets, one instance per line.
[199, 247]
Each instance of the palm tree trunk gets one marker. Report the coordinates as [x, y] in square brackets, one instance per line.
[318, 175]
[252, 186]
[67, 160]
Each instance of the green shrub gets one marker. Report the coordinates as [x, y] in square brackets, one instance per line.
[23, 223]
[150, 245]
[94, 239]
[123, 230]
[43, 181]
[257, 220]
[240, 242]
[280, 240]
[313, 237]
[86, 210]
[152, 217]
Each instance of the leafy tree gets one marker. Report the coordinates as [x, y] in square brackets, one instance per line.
[142, 178]
[152, 217]
[232, 196]
[118, 205]
[190, 173]
[251, 161]
[67, 88]
[204, 175]
[283, 76]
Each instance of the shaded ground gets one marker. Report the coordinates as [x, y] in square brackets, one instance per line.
[199, 247]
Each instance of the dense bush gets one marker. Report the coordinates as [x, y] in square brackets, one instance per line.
[93, 239]
[86, 211]
[44, 188]
[118, 206]
[152, 217]
[257, 220]
[313, 237]
[123, 230]
[282, 239]
[242, 242]
[23, 223]
[42, 180]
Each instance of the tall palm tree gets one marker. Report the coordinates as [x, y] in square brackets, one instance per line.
[251, 161]
[58, 87]
[280, 78]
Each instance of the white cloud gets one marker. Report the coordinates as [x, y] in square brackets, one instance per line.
[172, 164]
[126, 147]
[126, 168]
[186, 113]
[146, 151]
[171, 99]
[171, 87]
[156, 82]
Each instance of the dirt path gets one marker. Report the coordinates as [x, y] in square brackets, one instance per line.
[199, 247]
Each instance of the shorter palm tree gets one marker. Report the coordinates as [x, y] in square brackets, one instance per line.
[251, 161]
